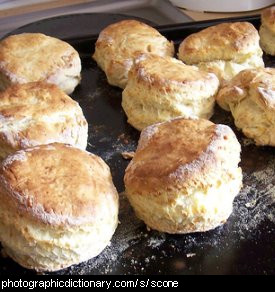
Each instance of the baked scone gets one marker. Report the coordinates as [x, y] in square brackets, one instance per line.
[267, 31]
[250, 96]
[120, 43]
[30, 57]
[39, 113]
[161, 88]
[224, 49]
[184, 175]
[59, 206]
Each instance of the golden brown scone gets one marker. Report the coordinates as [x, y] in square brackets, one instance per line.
[267, 31]
[30, 57]
[39, 113]
[184, 175]
[59, 206]
[224, 49]
[120, 43]
[161, 88]
[250, 96]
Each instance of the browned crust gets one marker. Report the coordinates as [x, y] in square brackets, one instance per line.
[31, 57]
[114, 36]
[225, 41]
[182, 154]
[58, 184]
[120, 43]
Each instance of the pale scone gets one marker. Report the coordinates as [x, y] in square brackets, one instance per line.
[161, 88]
[250, 96]
[59, 206]
[39, 113]
[267, 31]
[120, 43]
[30, 57]
[184, 175]
[224, 49]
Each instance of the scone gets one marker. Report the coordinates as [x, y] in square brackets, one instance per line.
[59, 206]
[161, 88]
[267, 31]
[30, 57]
[184, 175]
[120, 43]
[39, 113]
[224, 49]
[250, 96]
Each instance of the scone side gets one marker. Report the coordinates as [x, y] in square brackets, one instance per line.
[149, 98]
[116, 71]
[141, 113]
[32, 243]
[200, 210]
[226, 70]
[267, 40]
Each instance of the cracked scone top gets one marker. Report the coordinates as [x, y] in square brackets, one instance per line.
[59, 206]
[30, 57]
[39, 113]
[184, 175]
[120, 43]
[250, 96]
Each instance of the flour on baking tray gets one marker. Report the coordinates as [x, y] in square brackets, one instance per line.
[255, 203]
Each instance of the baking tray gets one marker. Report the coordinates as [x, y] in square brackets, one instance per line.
[160, 12]
[80, 25]
[244, 245]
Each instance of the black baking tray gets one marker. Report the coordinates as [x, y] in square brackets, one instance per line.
[244, 245]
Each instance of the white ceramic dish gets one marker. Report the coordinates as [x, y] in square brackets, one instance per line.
[223, 5]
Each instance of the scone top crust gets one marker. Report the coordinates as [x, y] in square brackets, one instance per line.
[125, 40]
[164, 72]
[268, 18]
[257, 84]
[31, 57]
[226, 41]
[181, 154]
[58, 184]
[36, 113]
